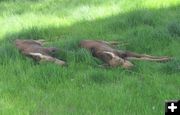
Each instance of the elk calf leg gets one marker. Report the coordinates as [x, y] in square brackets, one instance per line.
[136, 56]
[40, 41]
[165, 59]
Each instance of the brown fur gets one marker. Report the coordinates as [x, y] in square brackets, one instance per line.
[113, 57]
[35, 50]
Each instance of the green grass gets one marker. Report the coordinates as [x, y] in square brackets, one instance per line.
[149, 26]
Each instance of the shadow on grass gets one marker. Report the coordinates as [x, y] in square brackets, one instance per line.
[151, 31]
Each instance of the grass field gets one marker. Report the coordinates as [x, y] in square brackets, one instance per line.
[82, 88]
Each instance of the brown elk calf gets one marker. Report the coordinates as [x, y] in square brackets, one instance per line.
[35, 50]
[113, 57]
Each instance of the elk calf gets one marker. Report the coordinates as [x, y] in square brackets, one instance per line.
[35, 50]
[113, 57]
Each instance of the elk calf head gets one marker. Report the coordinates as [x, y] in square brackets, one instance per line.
[35, 50]
[115, 60]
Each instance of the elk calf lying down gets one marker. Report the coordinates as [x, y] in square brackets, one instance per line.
[113, 57]
[35, 50]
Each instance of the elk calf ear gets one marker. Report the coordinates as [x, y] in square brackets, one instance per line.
[106, 57]
[35, 56]
[109, 55]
